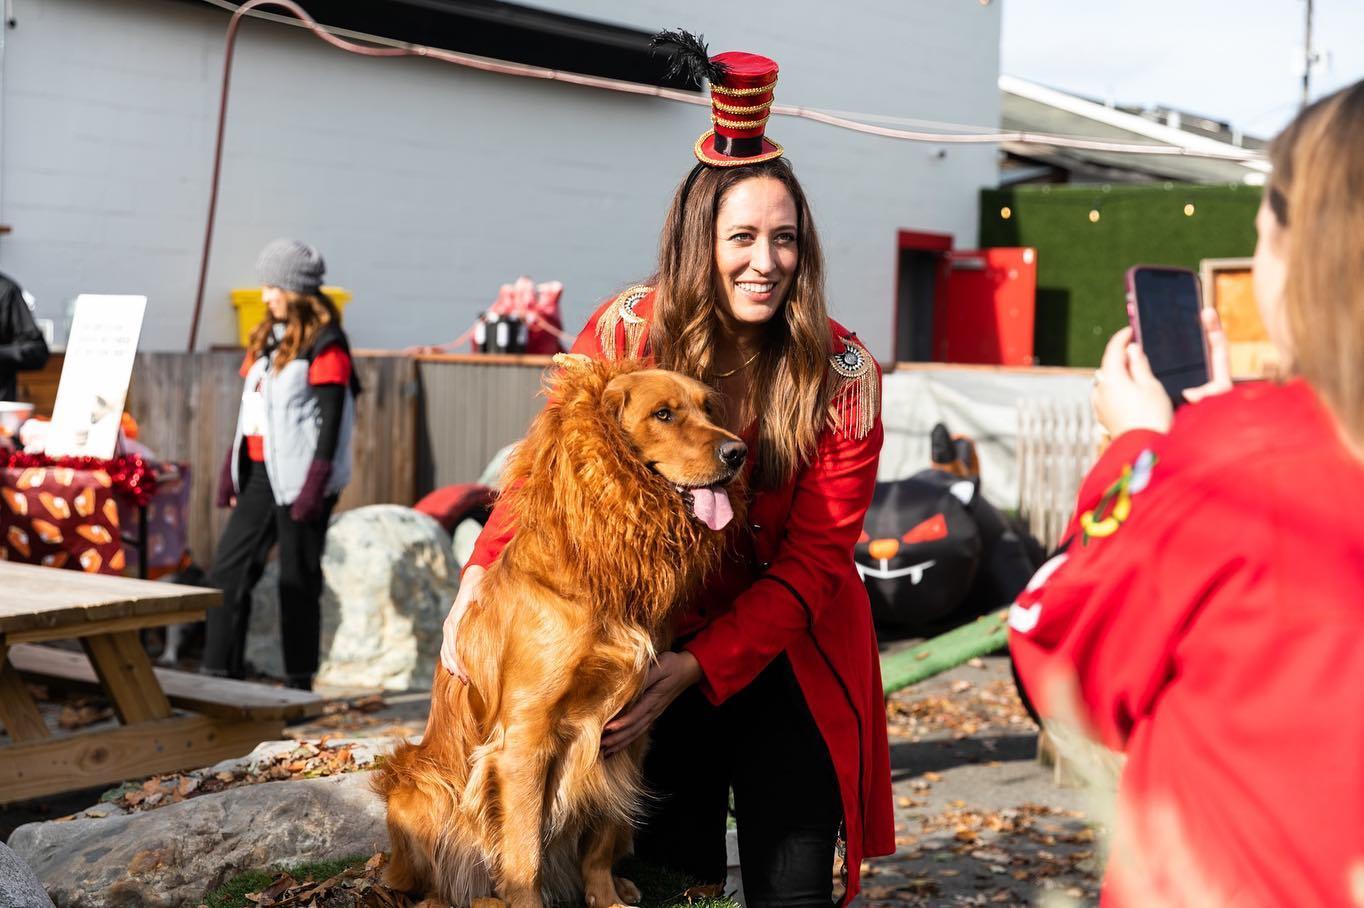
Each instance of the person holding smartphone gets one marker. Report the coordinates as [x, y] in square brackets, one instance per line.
[1205, 615]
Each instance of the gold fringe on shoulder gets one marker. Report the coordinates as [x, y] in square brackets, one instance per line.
[856, 400]
[622, 310]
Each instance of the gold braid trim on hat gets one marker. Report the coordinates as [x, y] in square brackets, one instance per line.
[699, 149]
[623, 310]
[731, 109]
[737, 124]
[742, 92]
[856, 400]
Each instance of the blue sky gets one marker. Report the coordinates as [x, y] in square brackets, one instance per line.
[1230, 60]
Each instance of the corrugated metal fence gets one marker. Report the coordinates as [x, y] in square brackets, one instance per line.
[421, 423]
[471, 407]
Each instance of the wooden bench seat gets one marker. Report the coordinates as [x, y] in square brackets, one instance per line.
[222, 697]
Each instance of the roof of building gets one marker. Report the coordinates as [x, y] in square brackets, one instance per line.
[1028, 107]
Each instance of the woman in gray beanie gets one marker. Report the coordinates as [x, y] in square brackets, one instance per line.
[289, 460]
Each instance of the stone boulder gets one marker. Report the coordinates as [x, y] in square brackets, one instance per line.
[390, 576]
[19, 886]
[172, 856]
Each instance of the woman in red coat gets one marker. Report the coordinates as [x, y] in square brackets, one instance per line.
[773, 688]
[1207, 615]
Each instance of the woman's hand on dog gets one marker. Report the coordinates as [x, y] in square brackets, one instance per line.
[468, 592]
[670, 676]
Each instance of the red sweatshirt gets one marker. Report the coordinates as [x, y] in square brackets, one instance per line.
[1209, 613]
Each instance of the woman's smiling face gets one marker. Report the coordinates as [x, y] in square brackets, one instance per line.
[756, 249]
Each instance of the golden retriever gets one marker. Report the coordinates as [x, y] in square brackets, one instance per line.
[619, 498]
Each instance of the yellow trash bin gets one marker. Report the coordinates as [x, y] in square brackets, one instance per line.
[251, 308]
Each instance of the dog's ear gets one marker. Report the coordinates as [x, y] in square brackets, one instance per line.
[616, 397]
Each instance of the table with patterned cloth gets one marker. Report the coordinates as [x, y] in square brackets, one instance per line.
[77, 519]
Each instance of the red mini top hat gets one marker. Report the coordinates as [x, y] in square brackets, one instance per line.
[741, 86]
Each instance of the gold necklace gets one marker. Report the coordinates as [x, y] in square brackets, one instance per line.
[737, 369]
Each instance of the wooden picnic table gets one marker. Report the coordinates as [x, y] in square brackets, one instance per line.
[169, 720]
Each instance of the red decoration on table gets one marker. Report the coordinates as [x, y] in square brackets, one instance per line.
[132, 476]
[60, 517]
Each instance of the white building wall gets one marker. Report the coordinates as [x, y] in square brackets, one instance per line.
[426, 185]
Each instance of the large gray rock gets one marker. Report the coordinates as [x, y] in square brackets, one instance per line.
[173, 855]
[465, 537]
[19, 886]
[390, 578]
[492, 473]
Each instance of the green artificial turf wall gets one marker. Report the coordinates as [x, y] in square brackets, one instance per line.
[1080, 264]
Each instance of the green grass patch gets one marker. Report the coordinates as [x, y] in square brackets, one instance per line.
[664, 888]
[661, 888]
[232, 894]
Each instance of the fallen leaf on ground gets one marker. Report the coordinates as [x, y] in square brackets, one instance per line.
[709, 891]
[83, 715]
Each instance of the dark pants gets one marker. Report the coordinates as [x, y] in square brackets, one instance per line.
[763, 743]
[256, 524]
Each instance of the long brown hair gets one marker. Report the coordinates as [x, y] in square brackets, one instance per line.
[1317, 187]
[306, 314]
[790, 373]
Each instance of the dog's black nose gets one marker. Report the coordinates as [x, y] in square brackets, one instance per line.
[733, 453]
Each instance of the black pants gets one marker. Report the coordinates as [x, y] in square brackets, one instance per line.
[256, 524]
[763, 743]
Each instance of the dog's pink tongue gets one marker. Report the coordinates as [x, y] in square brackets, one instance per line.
[712, 507]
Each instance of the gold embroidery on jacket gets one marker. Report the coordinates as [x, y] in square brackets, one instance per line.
[856, 400]
[622, 310]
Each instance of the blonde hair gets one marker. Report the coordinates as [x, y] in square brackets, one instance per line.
[790, 375]
[305, 315]
[1317, 187]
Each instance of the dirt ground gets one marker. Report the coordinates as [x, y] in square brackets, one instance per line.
[978, 820]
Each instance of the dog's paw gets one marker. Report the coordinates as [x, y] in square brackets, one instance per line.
[628, 891]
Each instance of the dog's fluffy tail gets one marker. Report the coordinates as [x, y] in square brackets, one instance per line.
[424, 786]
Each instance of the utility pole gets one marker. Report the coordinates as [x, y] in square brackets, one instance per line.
[1307, 59]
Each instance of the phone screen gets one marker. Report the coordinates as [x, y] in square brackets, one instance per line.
[1171, 332]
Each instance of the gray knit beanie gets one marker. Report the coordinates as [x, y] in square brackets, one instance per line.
[290, 265]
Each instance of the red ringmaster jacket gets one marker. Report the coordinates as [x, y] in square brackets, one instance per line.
[797, 590]
[1209, 614]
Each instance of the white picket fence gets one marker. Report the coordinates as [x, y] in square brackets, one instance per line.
[1057, 444]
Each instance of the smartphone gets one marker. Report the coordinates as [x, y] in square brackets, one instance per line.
[1163, 305]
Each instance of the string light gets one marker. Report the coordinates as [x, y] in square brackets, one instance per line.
[1006, 212]
[1094, 215]
[1189, 209]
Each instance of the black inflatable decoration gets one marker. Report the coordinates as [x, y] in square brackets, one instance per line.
[934, 552]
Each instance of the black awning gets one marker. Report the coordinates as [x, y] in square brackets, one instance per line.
[503, 31]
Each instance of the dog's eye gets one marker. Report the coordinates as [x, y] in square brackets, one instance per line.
[663, 414]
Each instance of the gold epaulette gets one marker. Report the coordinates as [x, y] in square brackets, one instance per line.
[856, 398]
[622, 310]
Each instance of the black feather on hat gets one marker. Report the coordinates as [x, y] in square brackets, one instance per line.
[690, 56]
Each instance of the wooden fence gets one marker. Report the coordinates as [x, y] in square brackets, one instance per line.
[429, 421]
[421, 423]
[1056, 446]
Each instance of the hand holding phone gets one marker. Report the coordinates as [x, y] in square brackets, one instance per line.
[1164, 306]
[1126, 395]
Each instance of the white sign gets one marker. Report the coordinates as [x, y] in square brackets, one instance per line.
[95, 375]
